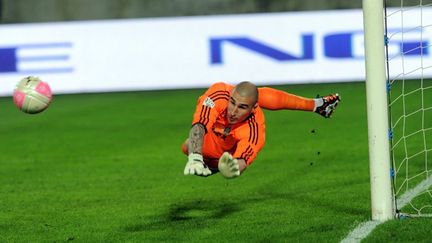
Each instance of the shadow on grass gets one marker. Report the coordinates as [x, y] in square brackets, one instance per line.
[197, 209]
[199, 213]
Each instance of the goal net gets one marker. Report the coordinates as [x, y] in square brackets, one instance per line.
[409, 78]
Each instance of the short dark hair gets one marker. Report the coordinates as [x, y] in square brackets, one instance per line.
[248, 89]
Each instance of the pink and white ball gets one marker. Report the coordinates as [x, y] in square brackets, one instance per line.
[32, 95]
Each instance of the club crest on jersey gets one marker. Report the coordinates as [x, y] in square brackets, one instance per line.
[209, 102]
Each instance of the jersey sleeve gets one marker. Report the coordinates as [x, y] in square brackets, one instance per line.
[211, 104]
[251, 141]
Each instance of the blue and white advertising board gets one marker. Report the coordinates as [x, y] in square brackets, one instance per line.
[190, 52]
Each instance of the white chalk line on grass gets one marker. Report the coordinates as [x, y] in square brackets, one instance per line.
[365, 228]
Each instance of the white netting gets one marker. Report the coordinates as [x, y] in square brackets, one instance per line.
[409, 54]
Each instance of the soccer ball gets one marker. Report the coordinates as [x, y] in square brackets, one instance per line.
[32, 95]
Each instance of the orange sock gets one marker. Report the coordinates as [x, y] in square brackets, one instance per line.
[273, 99]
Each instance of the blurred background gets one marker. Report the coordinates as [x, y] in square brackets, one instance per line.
[17, 11]
[23, 11]
[172, 44]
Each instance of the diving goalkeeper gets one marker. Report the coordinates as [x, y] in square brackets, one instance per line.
[228, 127]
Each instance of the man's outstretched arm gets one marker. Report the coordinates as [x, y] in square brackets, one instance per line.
[242, 165]
[196, 138]
[195, 164]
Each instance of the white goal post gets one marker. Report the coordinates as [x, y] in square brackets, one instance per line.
[377, 111]
[398, 58]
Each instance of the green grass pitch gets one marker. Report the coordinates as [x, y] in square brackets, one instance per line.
[109, 168]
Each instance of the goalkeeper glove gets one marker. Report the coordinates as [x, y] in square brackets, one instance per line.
[196, 166]
[228, 166]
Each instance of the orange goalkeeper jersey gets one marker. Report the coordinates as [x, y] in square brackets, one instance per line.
[243, 140]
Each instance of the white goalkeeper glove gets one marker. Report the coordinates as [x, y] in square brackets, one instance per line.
[196, 166]
[228, 166]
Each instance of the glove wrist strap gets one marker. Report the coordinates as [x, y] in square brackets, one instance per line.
[195, 157]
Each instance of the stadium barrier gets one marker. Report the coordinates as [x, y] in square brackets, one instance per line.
[190, 52]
